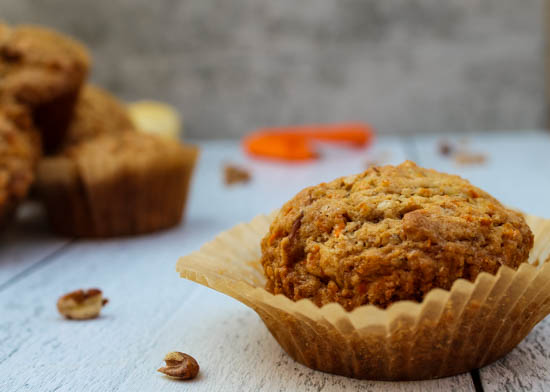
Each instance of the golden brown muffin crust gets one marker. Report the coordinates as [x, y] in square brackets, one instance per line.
[389, 234]
[97, 112]
[43, 70]
[124, 146]
[38, 64]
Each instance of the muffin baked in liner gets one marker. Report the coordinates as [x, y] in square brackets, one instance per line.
[117, 185]
[448, 333]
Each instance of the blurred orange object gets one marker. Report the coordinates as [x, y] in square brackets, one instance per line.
[293, 142]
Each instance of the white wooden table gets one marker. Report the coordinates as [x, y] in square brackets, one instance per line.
[152, 311]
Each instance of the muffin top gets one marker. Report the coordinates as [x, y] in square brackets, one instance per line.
[124, 146]
[38, 64]
[19, 152]
[96, 113]
[107, 156]
[390, 233]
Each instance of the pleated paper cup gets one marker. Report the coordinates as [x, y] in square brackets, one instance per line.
[96, 195]
[450, 332]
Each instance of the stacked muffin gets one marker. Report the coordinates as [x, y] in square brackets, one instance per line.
[97, 176]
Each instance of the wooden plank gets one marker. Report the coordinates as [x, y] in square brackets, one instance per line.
[138, 277]
[25, 243]
[153, 311]
[518, 173]
[526, 368]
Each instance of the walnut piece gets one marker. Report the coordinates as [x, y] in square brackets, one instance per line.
[234, 175]
[81, 305]
[446, 148]
[469, 158]
[180, 365]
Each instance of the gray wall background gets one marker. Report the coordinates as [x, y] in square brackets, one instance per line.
[233, 65]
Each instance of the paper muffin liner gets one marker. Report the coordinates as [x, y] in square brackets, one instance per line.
[97, 197]
[450, 332]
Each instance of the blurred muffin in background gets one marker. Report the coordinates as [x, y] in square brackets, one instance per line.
[19, 153]
[44, 70]
[99, 178]
[117, 184]
[97, 112]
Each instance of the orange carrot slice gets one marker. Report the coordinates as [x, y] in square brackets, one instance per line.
[293, 142]
[289, 147]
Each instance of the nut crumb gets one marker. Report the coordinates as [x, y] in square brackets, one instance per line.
[461, 154]
[469, 158]
[445, 148]
[234, 174]
[81, 305]
[180, 365]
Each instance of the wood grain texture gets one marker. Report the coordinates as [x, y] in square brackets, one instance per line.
[526, 368]
[152, 311]
[25, 243]
[138, 277]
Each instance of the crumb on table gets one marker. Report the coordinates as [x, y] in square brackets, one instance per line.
[234, 175]
[461, 154]
[469, 158]
[445, 148]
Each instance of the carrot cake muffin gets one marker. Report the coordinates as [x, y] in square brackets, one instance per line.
[389, 234]
[19, 152]
[116, 184]
[97, 112]
[44, 70]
